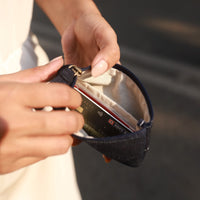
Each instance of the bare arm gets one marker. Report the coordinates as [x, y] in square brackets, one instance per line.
[63, 12]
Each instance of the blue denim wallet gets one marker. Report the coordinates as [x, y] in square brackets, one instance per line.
[122, 95]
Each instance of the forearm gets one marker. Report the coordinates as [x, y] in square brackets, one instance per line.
[63, 12]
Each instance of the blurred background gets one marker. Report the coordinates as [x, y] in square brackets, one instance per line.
[160, 43]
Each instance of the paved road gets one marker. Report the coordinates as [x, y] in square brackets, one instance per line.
[160, 42]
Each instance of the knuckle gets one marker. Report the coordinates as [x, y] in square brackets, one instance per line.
[116, 51]
[66, 94]
[114, 35]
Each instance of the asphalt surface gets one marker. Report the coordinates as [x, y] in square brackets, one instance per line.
[160, 43]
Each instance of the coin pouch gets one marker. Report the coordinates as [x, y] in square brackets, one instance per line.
[122, 93]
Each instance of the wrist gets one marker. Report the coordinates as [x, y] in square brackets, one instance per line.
[76, 9]
[64, 12]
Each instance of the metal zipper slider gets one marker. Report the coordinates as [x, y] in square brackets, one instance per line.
[77, 70]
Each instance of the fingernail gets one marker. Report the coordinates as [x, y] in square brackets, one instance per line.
[56, 63]
[57, 58]
[99, 68]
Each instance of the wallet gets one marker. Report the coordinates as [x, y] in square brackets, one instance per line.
[117, 111]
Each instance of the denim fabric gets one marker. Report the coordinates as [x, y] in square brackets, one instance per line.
[65, 75]
[129, 149]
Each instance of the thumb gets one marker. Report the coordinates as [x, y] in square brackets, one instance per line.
[36, 74]
[109, 51]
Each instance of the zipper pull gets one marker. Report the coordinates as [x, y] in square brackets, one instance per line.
[67, 74]
[77, 70]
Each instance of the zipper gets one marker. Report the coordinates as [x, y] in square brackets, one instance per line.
[77, 70]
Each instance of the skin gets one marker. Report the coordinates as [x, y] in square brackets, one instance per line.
[27, 137]
[86, 37]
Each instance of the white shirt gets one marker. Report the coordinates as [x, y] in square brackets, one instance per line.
[53, 178]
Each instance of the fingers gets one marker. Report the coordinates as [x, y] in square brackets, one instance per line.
[54, 123]
[28, 136]
[39, 95]
[37, 74]
[18, 164]
[45, 72]
[21, 98]
[109, 53]
[34, 149]
[42, 147]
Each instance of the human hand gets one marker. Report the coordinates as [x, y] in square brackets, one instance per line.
[90, 40]
[87, 39]
[27, 137]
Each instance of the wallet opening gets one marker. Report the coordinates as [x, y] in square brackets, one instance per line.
[117, 111]
[119, 93]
